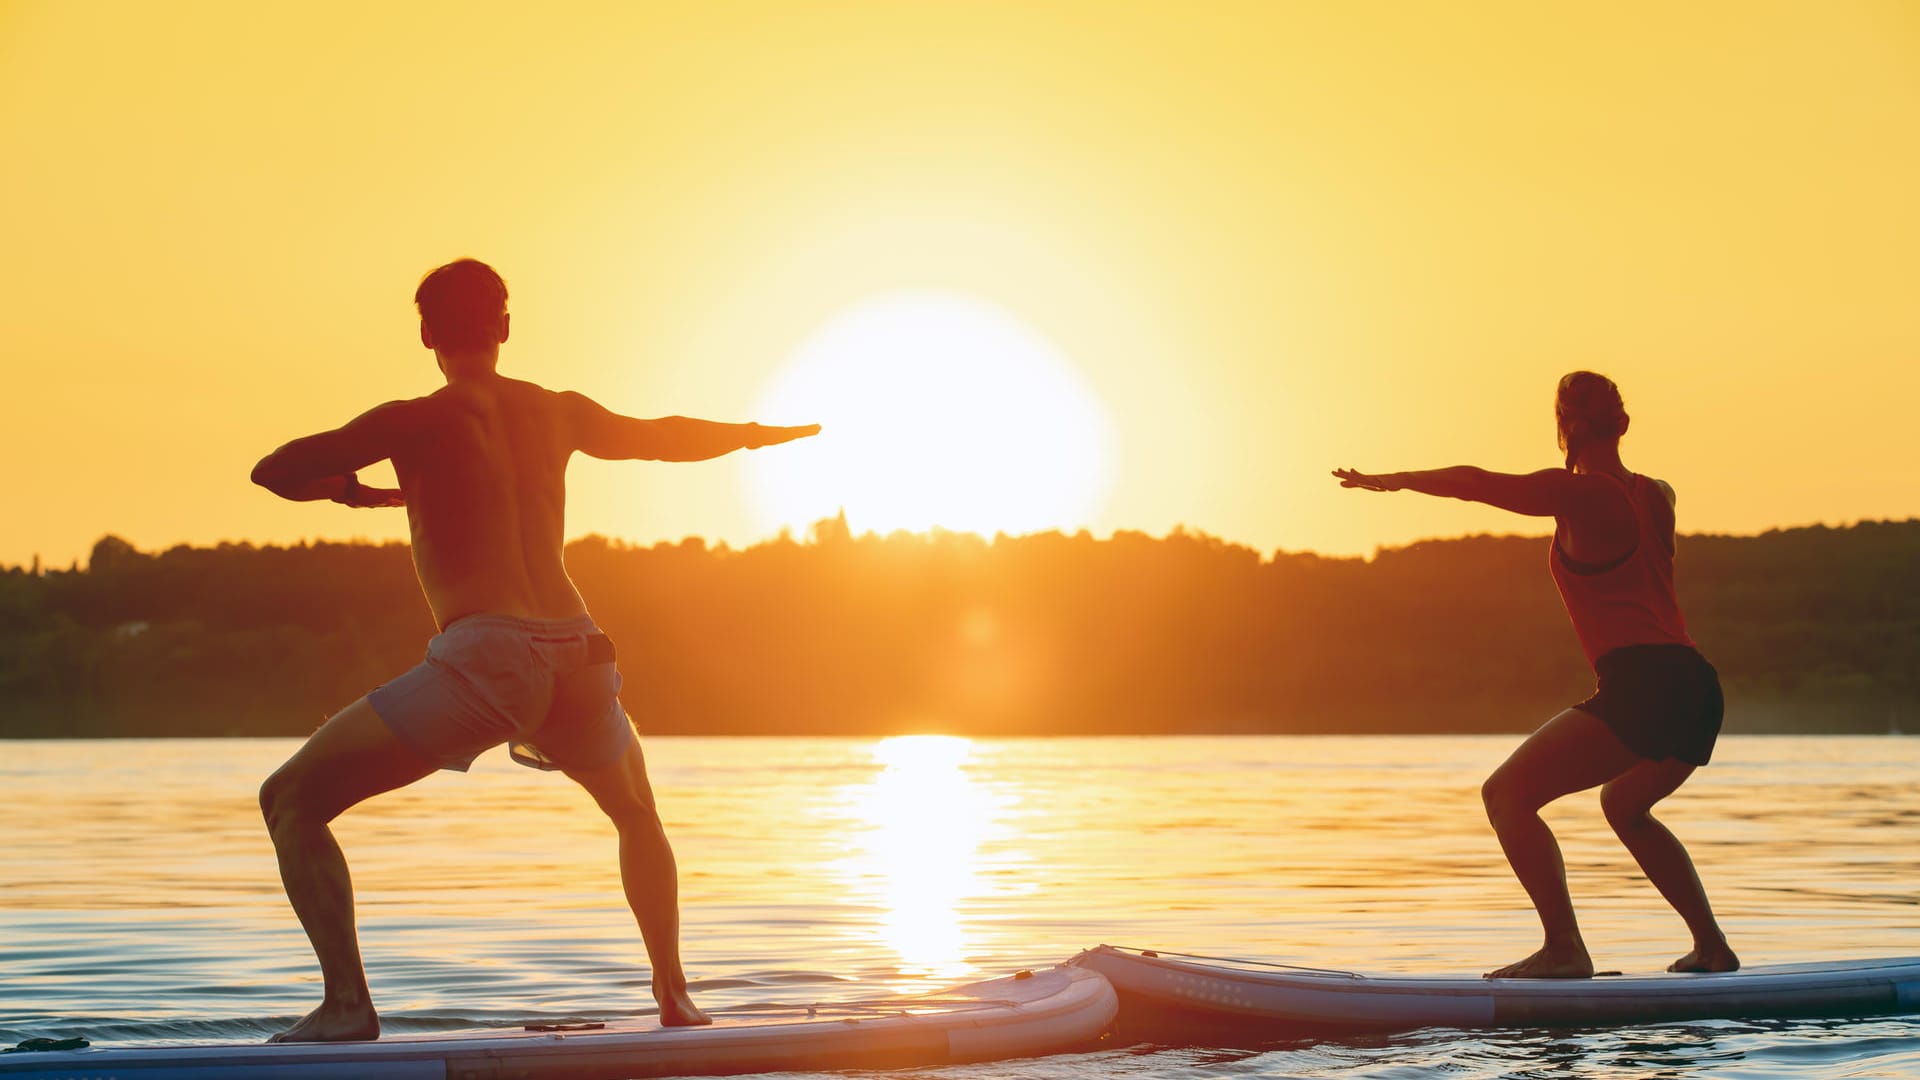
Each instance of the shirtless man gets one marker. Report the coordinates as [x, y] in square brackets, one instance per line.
[482, 467]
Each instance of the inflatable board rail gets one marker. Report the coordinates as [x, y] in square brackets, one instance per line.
[1164, 987]
[1041, 1012]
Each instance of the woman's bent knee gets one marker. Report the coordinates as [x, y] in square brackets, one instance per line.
[1508, 798]
[1623, 813]
[1498, 799]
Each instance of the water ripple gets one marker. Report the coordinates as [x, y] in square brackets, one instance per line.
[139, 900]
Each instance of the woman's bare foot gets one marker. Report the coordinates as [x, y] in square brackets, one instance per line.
[1707, 958]
[1551, 962]
[677, 1008]
[334, 1023]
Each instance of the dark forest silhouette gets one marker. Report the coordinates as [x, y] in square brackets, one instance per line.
[1813, 629]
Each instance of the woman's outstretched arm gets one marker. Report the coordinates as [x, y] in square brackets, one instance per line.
[1547, 493]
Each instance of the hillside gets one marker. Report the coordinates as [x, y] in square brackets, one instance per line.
[1813, 629]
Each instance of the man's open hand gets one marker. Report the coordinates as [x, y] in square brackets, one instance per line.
[1353, 478]
[364, 497]
[770, 436]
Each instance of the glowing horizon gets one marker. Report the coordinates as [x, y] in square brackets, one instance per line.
[804, 535]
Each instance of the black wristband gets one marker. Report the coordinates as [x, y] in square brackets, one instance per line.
[349, 490]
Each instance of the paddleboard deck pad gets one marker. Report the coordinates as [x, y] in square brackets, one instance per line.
[1042, 1012]
[1160, 990]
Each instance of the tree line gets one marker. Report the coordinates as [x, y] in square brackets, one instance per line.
[1813, 629]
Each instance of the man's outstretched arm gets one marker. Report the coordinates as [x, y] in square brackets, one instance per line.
[322, 466]
[602, 433]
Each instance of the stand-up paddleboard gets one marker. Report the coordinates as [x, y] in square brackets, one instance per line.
[1040, 1012]
[1160, 991]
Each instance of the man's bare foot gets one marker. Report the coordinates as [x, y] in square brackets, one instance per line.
[677, 1008]
[334, 1023]
[1549, 963]
[1714, 958]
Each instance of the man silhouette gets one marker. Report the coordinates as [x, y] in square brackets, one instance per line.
[482, 468]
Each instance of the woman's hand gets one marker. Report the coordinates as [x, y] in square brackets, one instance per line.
[1353, 478]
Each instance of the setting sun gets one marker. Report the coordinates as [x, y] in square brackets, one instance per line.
[938, 410]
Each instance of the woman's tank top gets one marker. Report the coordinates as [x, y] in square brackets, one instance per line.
[1630, 602]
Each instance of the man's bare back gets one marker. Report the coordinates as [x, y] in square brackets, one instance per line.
[482, 470]
[482, 465]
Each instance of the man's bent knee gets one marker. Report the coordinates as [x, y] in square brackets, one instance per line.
[284, 802]
[631, 815]
[278, 800]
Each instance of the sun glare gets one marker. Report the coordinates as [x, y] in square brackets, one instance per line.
[938, 410]
[921, 822]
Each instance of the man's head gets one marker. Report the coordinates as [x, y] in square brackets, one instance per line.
[463, 307]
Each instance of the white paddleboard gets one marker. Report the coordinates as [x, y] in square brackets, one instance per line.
[1041, 1012]
[1162, 990]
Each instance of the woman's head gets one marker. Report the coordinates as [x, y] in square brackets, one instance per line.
[1589, 411]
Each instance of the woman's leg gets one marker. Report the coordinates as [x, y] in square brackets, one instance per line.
[1571, 752]
[1628, 801]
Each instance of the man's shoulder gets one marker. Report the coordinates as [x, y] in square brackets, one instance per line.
[527, 386]
[399, 411]
[530, 394]
[457, 395]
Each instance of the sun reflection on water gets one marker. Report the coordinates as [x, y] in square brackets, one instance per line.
[921, 823]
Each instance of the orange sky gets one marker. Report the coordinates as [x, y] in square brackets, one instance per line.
[1268, 239]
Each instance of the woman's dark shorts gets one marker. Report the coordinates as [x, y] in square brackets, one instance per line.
[1662, 701]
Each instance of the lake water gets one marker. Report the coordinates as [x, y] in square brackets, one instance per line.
[139, 899]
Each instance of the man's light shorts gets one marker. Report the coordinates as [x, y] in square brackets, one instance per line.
[547, 686]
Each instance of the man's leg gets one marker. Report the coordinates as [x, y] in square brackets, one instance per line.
[1628, 800]
[1571, 752]
[353, 757]
[648, 875]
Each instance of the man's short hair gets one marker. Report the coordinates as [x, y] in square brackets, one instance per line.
[463, 304]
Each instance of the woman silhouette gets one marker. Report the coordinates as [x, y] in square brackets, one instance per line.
[1655, 715]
